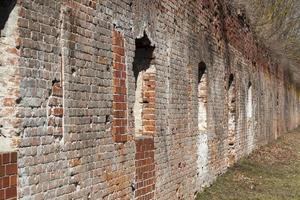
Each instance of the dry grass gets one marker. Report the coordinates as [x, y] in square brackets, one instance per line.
[270, 173]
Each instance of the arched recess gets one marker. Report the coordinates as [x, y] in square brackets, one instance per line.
[144, 74]
[202, 97]
[10, 126]
[249, 118]
[10, 98]
[144, 117]
[202, 139]
[231, 120]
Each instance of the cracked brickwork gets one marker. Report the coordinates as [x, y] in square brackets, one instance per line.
[93, 111]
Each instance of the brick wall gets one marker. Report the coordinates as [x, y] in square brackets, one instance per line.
[145, 168]
[68, 94]
[119, 124]
[8, 176]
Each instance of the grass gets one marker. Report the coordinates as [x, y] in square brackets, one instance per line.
[270, 173]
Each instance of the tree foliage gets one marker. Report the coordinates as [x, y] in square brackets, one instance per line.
[277, 24]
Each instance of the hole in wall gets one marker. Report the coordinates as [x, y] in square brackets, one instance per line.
[202, 96]
[249, 101]
[18, 100]
[230, 80]
[201, 70]
[107, 119]
[133, 187]
[6, 6]
[55, 81]
[141, 66]
[73, 71]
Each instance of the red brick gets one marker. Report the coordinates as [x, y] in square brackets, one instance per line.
[2, 192]
[2, 171]
[6, 158]
[13, 180]
[57, 90]
[117, 58]
[59, 112]
[118, 50]
[119, 66]
[9, 102]
[10, 192]
[11, 169]
[5, 182]
[13, 157]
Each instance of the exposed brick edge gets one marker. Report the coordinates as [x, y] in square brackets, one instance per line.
[119, 124]
[8, 176]
[148, 113]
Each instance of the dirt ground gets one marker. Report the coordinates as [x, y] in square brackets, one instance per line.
[270, 173]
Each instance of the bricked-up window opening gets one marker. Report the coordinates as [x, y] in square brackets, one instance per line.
[231, 120]
[6, 6]
[230, 81]
[144, 87]
[55, 110]
[202, 96]
[249, 117]
[249, 101]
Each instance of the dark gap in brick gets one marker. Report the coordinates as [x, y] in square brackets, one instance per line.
[49, 92]
[107, 119]
[143, 55]
[55, 81]
[242, 18]
[6, 6]
[249, 84]
[18, 100]
[73, 71]
[230, 80]
[201, 70]
[215, 14]
[133, 187]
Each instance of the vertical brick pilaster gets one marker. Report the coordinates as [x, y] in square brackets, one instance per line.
[55, 110]
[119, 125]
[8, 176]
[145, 168]
[148, 113]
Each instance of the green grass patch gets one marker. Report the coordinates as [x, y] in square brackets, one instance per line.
[270, 173]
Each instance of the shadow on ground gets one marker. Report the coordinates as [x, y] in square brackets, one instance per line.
[270, 173]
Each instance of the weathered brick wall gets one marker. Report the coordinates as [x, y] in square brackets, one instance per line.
[76, 87]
